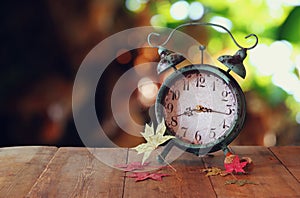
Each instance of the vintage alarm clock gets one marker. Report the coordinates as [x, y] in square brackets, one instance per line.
[202, 105]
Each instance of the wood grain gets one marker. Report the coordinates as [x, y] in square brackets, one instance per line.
[272, 179]
[20, 167]
[80, 172]
[76, 172]
[187, 181]
[289, 156]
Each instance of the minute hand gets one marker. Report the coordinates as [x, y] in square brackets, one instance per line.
[200, 108]
[225, 113]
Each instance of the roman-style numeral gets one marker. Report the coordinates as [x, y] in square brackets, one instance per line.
[186, 85]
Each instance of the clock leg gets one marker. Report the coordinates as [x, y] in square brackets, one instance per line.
[226, 150]
[161, 157]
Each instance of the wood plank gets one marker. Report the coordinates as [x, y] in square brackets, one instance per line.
[187, 181]
[272, 179]
[289, 156]
[76, 172]
[20, 167]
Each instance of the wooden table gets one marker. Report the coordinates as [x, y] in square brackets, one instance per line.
[37, 171]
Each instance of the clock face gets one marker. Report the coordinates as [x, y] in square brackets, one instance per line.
[202, 106]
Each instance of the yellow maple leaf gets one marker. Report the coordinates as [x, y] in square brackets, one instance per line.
[154, 139]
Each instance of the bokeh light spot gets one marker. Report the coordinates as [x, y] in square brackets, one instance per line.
[158, 20]
[221, 21]
[179, 10]
[148, 90]
[196, 11]
[298, 118]
[270, 139]
[133, 5]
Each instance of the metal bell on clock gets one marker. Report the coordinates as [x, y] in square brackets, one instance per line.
[168, 59]
[235, 62]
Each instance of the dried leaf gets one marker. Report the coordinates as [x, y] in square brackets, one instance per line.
[153, 139]
[212, 171]
[141, 176]
[240, 182]
[249, 166]
[227, 182]
[132, 166]
[233, 164]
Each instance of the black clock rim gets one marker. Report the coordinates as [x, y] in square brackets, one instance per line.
[233, 131]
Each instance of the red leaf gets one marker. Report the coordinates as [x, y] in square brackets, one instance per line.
[141, 176]
[132, 166]
[232, 164]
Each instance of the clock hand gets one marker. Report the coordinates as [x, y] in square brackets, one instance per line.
[230, 111]
[200, 108]
[188, 111]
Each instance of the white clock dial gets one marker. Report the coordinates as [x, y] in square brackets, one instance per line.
[200, 107]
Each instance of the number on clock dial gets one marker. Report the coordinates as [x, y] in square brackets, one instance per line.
[200, 107]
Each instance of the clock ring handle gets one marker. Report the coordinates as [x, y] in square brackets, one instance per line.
[256, 41]
[201, 24]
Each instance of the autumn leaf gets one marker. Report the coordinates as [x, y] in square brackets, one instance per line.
[233, 164]
[212, 171]
[132, 166]
[141, 176]
[240, 182]
[154, 139]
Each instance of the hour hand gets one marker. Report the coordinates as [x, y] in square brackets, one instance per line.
[188, 112]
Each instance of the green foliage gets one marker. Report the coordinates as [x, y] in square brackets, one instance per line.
[290, 30]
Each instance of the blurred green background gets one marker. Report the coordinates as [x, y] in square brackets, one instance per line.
[44, 42]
